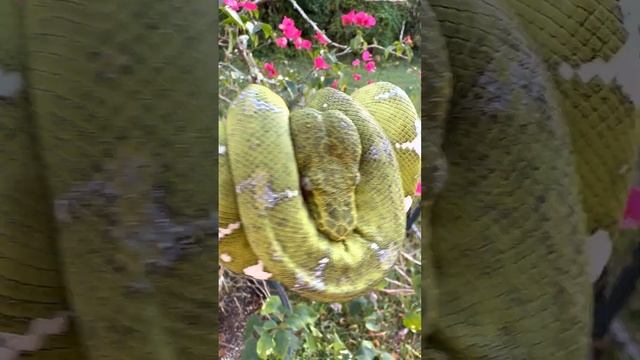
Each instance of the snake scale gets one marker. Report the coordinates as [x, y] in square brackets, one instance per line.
[530, 112]
[107, 179]
[313, 197]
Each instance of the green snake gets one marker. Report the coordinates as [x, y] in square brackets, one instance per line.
[107, 179]
[530, 112]
[314, 198]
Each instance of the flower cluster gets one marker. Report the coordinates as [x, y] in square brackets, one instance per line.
[359, 18]
[271, 70]
[237, 5]
[291, 33]
[369, 64]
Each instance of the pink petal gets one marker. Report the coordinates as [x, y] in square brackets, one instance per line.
[631, 217]
[249, 6]
[370, 66]
[357, 77]
[233, 4]
[281, 42]
[322, 39]
[320, 64]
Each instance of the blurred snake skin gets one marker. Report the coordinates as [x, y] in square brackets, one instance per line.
[530, 112]
[107, 179]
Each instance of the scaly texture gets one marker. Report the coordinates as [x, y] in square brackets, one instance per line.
[314, 199]
[536, 113]
[106, 206]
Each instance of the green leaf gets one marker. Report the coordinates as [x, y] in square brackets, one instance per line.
[387, 52]
[252, 322]
[337, 345]
[385, 356]
[269, 324]
[267, 29]
[356, 42]
[234, 15]
[294, 322]
[408, 51]
[413, 321]
[310, 342]
[357, 306]
[271, 306]
[249, 352]
[254, 40]
[282, 343]
[332, 56]
[265, 345]
[371, 322]
[366, 351]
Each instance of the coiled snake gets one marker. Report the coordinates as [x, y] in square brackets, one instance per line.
[314, 198]
[530, 116]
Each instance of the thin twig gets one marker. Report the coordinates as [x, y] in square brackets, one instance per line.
[401, 292]
[402, 31]
[315, 26]
[403, 274]
[224, 98]
[408, 257]
[395, 282]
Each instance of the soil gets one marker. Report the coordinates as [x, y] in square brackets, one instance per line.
[241, 299]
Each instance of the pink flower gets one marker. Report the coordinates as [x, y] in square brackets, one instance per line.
[370, 66]
[419, 188]
[281, 42]
[286, 23]
[334, 84]
[359, 18]
[270, 69]
[370, 22]
[292, 33]
[288, 27]
[407, 40]
[301, 43]
[320, 64]
[370, 81]
[355, 63]
[349, 18]
[322, 39]
[249, 6]
[366, 56]
[233, 4]
[631, 219]
[357, 77]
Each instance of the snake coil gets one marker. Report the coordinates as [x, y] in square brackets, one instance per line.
[316, 198]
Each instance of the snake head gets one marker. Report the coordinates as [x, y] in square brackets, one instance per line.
[327, 148]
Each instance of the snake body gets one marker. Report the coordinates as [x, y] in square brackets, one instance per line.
[531, 114]
[314, 197]
[106, 124]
